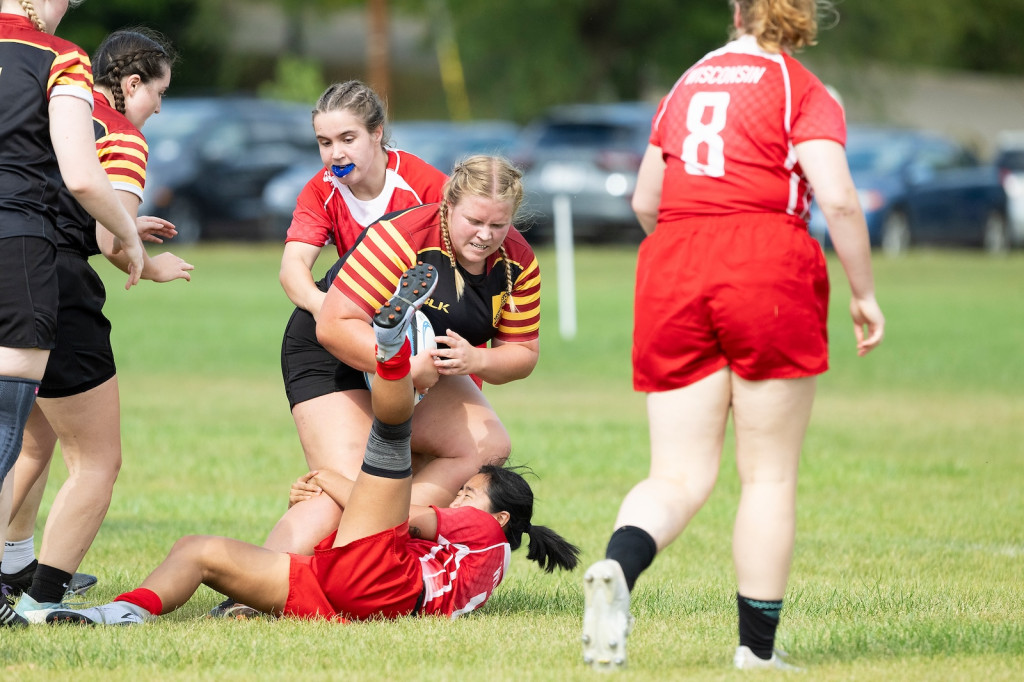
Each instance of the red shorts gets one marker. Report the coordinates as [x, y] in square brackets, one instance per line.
[371, 577]
[747, 291]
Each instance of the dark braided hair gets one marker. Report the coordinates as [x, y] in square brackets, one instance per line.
[129, 52]
[509, 492]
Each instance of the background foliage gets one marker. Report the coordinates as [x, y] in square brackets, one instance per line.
[603, 49]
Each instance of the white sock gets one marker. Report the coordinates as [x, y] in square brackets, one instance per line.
[18, 554]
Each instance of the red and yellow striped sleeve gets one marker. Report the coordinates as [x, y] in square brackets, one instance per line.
[374, 267]
[123, 156]
[71, 74]
[521, 320]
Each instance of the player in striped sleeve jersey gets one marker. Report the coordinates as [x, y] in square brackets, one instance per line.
[78, 400]
[45, 137]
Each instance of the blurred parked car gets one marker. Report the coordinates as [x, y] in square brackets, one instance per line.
[439, 143]
[591, 154]
[1010, 162]
[210, 158]
[443, 143]
[918, 187]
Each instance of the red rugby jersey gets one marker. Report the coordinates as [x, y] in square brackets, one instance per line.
[728, 130]
[327, 211]
[464, 564]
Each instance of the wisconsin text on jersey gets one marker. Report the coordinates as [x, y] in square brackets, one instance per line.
[725, 75]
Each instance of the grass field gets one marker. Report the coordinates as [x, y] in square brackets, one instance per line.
[910, 551]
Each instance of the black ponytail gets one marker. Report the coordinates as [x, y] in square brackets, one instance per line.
[509, 492]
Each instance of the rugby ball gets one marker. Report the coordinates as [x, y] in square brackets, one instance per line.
[421, 337]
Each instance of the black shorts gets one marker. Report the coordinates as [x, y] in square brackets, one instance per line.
[309, 370]
[28, 293]
[83, 358]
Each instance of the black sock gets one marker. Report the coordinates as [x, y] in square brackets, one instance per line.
[758, 622]
[634, 549]
[49, 584]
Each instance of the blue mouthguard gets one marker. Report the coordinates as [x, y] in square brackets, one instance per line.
[342, 171]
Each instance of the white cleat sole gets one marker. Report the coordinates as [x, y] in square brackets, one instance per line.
[606, 618]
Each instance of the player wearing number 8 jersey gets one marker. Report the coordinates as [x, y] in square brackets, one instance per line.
[728, 130]
[730, 311]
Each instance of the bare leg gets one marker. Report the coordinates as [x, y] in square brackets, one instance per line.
[332, 429]
[30, 474]
[456, 426]
[250, 574]
[687, 428]
[771, 419]
[378, 503]
[89, 428]
[304, 525]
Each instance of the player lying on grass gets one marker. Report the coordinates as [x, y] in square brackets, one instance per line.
[382, 562]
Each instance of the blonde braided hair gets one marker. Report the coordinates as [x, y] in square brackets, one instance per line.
[482, 176]
[30, 10]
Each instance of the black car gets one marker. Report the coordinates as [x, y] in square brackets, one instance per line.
[918, 187]
[210, 158]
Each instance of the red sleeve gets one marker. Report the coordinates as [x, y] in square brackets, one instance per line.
[310, 222]
[468, 526]
[817, 115]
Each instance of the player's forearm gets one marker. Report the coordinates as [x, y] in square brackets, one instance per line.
[506, 362]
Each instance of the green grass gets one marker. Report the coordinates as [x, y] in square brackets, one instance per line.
[909, 562]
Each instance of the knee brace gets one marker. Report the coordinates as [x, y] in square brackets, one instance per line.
[16, 399]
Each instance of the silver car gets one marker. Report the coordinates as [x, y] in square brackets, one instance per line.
[589, 153]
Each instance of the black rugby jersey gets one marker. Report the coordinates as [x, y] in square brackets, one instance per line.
[393, 244]
[34, 67]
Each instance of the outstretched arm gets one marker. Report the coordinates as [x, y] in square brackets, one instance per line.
[163, 267]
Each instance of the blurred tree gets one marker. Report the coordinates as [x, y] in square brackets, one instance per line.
[196, 28]
[518, 56]
[603, 49]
